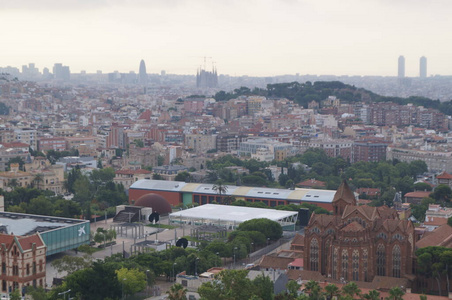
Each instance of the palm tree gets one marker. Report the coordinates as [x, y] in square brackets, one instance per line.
[372, 295]
[219, 187]
[177, 292]
[37, 180]
[396, 293]
[312, 288]
[351, 289]
[331, 290]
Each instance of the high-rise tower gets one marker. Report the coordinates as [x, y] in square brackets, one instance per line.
[142, 76]
[423, 67]
[401, 69]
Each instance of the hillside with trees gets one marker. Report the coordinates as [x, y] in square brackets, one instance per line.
[303, 93]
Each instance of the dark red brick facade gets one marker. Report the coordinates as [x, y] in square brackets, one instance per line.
[358, 243]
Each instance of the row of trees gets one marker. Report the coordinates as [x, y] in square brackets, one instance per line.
[234, 284]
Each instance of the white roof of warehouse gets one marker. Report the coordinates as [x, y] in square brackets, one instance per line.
[232, 213]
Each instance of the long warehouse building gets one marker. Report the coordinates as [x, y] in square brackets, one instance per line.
[177, 192]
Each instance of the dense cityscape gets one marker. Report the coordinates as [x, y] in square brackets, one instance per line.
[211, 186]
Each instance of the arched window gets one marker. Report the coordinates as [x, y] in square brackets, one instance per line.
[396, 260]
[381, 260]
[365, 262]
[345, 264]
[335, 255]
[355, 265]
[314, 255]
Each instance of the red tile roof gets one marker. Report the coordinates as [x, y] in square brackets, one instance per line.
[444, 175]
[441, 236]
[417, 194]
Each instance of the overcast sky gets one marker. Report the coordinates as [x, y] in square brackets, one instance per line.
[243, 37]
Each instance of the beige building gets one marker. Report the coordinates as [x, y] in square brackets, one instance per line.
[15, 177]
[127, 177]
[46, 176]
[436, 161]
[200, 143]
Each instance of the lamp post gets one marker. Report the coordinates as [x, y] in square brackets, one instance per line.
[251, 250]
[196, 266]
[174, 273]
[268, 240]
[235, 248]
[64, 294]
[123, 288]
[218, 256]
[147, 282]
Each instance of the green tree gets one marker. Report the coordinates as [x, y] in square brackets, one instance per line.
[372, 295]
[313, 289]
[219, 187]
[229, 284]
[71, 264]
[37, 293]
[442, 193]
[133, 280]
[177, 292]
[40, 206]
[182, 176]
[422, 186]
[263, 287]
[292, 288]
[269, 228]
[37, 180]
[396, 293]
[331, 290]
[351, 289]
[156, 176]
[15, 295]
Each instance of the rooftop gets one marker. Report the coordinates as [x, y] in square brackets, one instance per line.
[24, 224]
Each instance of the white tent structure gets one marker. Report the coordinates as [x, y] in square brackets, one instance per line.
[230, 216]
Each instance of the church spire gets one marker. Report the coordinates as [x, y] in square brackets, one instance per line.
[344, 196]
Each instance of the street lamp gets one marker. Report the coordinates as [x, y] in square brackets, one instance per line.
[268, 240]
[196, 265]
[123, 288]
[64, 294]
[235, 248]
[147, 282]
[174, 274]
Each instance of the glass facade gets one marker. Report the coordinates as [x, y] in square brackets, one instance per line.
[66, 238]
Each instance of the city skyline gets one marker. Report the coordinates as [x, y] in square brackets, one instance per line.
[265, 38]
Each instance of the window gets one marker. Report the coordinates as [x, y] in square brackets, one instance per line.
[345, 264]
[396, 260]
[335, 255]
[3, 268]
[314, 255]
[34, 267]
[365, 262]
[355, 265]
[40, 265]
[28, 269]
[381, 260]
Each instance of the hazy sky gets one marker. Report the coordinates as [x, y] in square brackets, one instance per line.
[253, 37]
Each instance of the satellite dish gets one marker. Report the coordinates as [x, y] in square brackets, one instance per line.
[182, 242]
[155, 216]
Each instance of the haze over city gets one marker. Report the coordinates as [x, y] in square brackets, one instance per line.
[257, 38]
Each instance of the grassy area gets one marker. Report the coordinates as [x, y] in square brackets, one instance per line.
[162, 226]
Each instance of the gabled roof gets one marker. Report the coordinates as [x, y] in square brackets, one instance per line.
[441, 236]
[444, 175]
[345, 193]
[353, 227]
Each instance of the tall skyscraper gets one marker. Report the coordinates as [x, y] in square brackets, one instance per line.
[401, 72]
[142, 76]
[423, 67]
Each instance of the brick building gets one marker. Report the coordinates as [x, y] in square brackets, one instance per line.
[369, 150]
[23, 261]
[357, 243]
